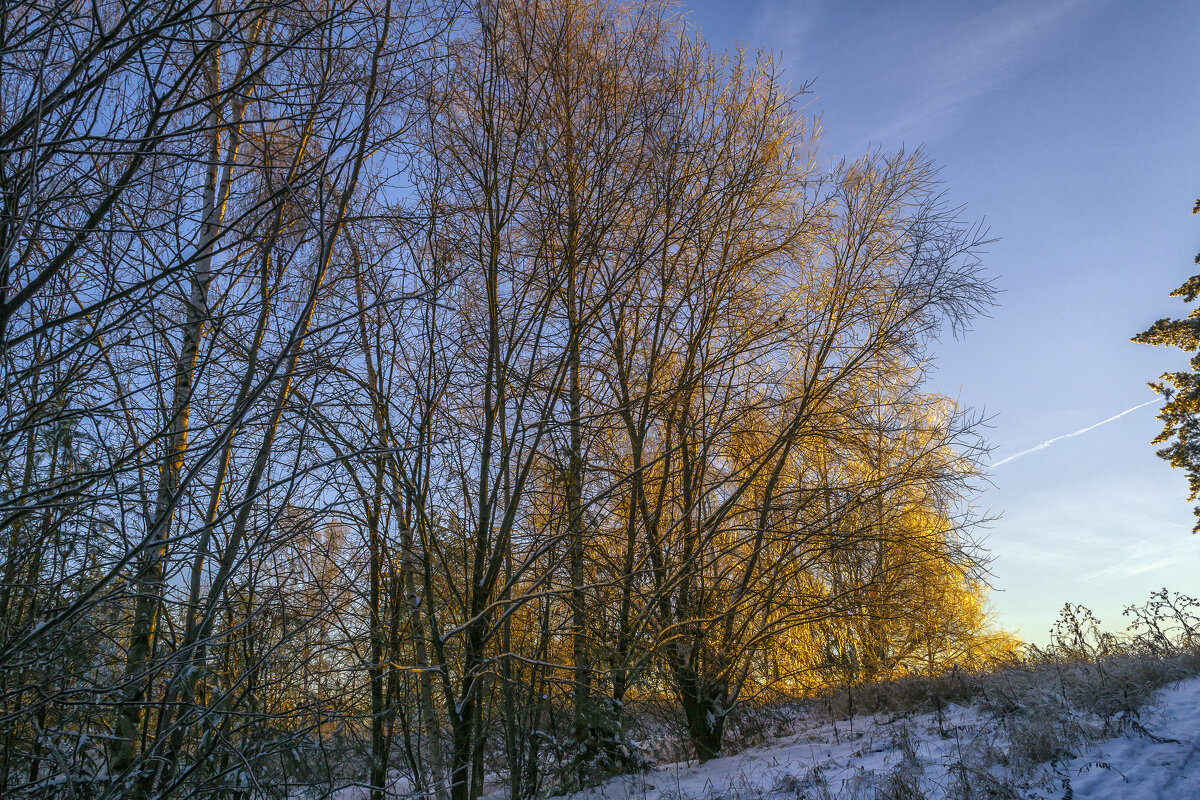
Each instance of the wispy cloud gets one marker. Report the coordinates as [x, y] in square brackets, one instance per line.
[784, 25]
[1049, 442]
[982, 54]
[940, 60]
[1129, 568]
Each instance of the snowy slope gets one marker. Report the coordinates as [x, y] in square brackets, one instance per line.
[967, 753]
[1167, 766]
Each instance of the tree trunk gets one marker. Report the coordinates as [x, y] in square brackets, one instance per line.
[704, 707]
[148, 579]
[380, 745]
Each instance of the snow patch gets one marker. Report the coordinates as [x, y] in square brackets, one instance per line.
[960, 753]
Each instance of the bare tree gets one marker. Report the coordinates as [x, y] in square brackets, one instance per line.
[152, 179]
[394, 391]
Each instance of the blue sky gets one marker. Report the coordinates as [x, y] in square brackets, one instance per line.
[1070, 127]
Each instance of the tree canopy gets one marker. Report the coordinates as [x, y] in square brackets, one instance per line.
[408, 391]
[1180, 413]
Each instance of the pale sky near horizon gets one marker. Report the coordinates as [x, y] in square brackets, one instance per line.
[1070, 128]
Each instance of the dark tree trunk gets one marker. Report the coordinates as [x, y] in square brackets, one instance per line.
[705, 706]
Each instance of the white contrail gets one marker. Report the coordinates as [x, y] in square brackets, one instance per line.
[1049, 442]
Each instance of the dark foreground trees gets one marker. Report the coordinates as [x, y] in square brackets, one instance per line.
[395, 392]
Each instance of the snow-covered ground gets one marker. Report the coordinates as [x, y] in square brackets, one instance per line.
[1166, 766]
[964, 753]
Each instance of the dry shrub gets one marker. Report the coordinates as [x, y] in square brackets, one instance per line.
[755, 725]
